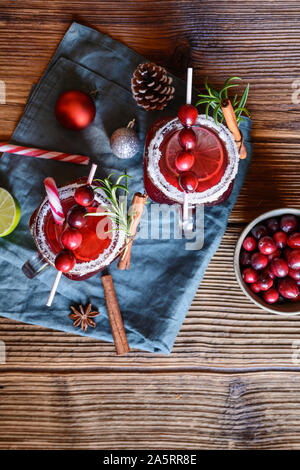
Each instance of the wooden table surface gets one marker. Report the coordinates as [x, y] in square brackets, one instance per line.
[231, 381]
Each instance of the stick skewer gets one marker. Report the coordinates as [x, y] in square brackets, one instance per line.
[114, 314]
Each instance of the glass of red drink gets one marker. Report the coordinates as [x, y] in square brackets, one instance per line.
[101, 243]
[215, 163]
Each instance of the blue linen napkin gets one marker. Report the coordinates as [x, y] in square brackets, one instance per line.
[156, 293]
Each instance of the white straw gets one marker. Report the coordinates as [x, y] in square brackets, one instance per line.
[189, 85]
[185, 211]
[92, 173]
[187, 224]
[54, 287]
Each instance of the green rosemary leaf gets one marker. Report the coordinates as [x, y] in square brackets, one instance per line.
[206, 85]
[216, 114]
[242, 110]
[214, 98]
[121, 177]
[245, 110]
[121, 186]
[207, 109]
[225, 89]
[96, 214]
[244, 97]
[208, 97]
[230, 80]
[209, 100]
[116, 210]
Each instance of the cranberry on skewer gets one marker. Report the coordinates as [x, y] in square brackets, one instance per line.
[71, 238]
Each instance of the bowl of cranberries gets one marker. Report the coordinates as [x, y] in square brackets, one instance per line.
[267, 261]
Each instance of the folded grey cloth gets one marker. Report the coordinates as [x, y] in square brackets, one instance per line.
[155, 294]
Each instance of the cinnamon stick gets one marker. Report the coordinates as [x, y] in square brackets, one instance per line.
[232, 125]
[114, 314]
[135, 211]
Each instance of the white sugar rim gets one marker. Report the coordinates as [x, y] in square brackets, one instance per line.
[104, 259]
[211, 194]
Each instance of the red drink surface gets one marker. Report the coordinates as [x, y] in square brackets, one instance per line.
[91, 247]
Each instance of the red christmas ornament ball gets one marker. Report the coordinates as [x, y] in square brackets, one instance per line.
[75, 110]
[188, 181]
[65, 261]
[84, 195]
[184, 161]
[71, 238]
[187, 115]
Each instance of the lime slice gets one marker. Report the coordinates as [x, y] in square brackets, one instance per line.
[10, 213]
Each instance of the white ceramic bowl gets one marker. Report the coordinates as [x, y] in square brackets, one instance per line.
[288, 308]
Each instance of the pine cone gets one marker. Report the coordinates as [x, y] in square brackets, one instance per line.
[150, 86]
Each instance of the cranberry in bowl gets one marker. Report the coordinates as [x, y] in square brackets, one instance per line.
[267, 261]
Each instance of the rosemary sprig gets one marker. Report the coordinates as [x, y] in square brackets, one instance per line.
[213, 99]
[117, 209]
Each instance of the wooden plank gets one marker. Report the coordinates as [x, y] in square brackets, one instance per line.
[149, 411]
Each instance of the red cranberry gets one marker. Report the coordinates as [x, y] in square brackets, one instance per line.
[264, 282]
[259, 231]
[188, 115]
[187, 138]
[279, 267]
[268, 271]
[294, 240]
[294, 274]
[296, 299]
[280, 238]
[288, 223]
[71, 238]
[293, 259]
[84, 195]
[272, 224]
[259, 261]
[276, 254]
[184, 161]
[286, 252]
[249, 243]
[76, 216]
[271, 295]
[65, 261]
[255, 287]
[288, 288]
[188, 181]
[266, 245]
[245, 258]
[250, 275]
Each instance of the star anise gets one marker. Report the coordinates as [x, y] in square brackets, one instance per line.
[84, 316]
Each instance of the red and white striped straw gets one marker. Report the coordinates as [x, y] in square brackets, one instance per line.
[46, 154]
[54, 200]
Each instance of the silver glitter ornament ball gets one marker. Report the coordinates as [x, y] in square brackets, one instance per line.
[124, 142]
